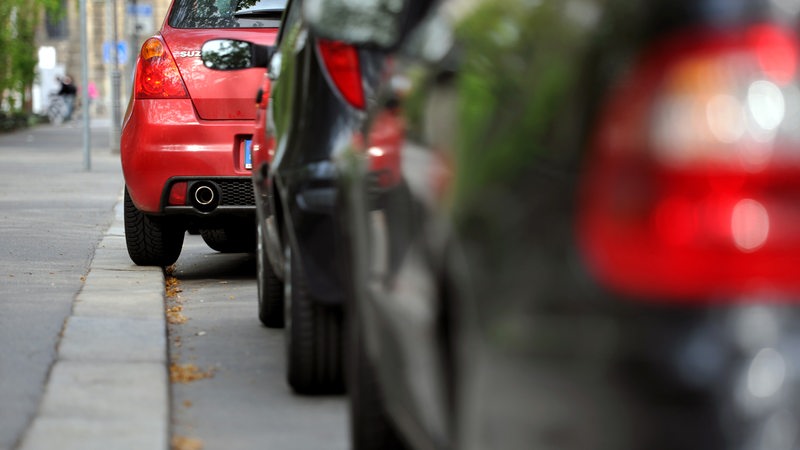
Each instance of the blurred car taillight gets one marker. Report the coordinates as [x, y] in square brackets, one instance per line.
[157, 75]
[692, 189]
[386, 141]
[263, 144]
[262, 96]
[342, 66]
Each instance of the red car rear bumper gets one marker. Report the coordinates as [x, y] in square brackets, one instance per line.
[164, 139]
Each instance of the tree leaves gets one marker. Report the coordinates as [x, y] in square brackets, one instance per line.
[19, 20]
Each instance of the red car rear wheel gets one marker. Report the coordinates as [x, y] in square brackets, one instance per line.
[151, 240]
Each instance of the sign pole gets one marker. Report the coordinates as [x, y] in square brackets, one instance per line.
[116, 116]
[87, 140]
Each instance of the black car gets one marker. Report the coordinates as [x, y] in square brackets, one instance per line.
[572, 224]
[318, 92]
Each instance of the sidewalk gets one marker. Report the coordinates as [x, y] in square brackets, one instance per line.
[108, 387]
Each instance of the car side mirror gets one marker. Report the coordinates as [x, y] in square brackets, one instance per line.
[376, 23]
[231, 54]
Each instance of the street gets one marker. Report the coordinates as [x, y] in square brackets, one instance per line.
[52, 215]
[79, 323]
[244, 402]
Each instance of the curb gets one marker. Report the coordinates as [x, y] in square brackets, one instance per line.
[109, 385]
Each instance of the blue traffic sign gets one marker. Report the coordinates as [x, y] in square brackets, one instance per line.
[140, 10]
[122, 52]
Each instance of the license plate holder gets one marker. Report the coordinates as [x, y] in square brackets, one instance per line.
[248, 153]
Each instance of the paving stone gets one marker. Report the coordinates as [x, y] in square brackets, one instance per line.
[146, 305]
[113, 339]
[107, 390]
[48, 433]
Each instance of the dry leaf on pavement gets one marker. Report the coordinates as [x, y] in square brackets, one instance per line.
[174, 315]
[173, 287]
[186, 443]
[186, 373]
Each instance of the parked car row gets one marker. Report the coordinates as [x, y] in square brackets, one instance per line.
[517, 224]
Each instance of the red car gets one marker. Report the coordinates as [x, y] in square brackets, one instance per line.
[187, 136]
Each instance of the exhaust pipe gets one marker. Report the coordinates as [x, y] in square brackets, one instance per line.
[205, 196]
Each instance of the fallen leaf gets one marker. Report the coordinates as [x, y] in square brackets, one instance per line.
[186, 443]
[172, 287]
[187, 373]
[174, 316]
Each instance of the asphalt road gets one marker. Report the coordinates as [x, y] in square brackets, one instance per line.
[52, 215]
[245, 403]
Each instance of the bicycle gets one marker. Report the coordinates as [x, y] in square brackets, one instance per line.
[56, 109]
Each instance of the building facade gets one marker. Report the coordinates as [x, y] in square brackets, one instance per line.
[136, 20]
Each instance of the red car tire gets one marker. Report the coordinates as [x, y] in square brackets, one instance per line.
[151, 240]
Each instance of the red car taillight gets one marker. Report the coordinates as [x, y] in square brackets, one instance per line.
[692, 187]
[342, 65]
[177, 193]
[157, 75]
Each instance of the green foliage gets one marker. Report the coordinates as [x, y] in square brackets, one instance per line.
[516, 69]
[19, 20]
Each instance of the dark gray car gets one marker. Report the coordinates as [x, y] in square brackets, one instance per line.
[573, 224]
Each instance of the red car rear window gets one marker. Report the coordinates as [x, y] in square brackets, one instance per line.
[226, 13]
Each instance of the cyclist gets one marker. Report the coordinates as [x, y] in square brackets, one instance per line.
[68, 92]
